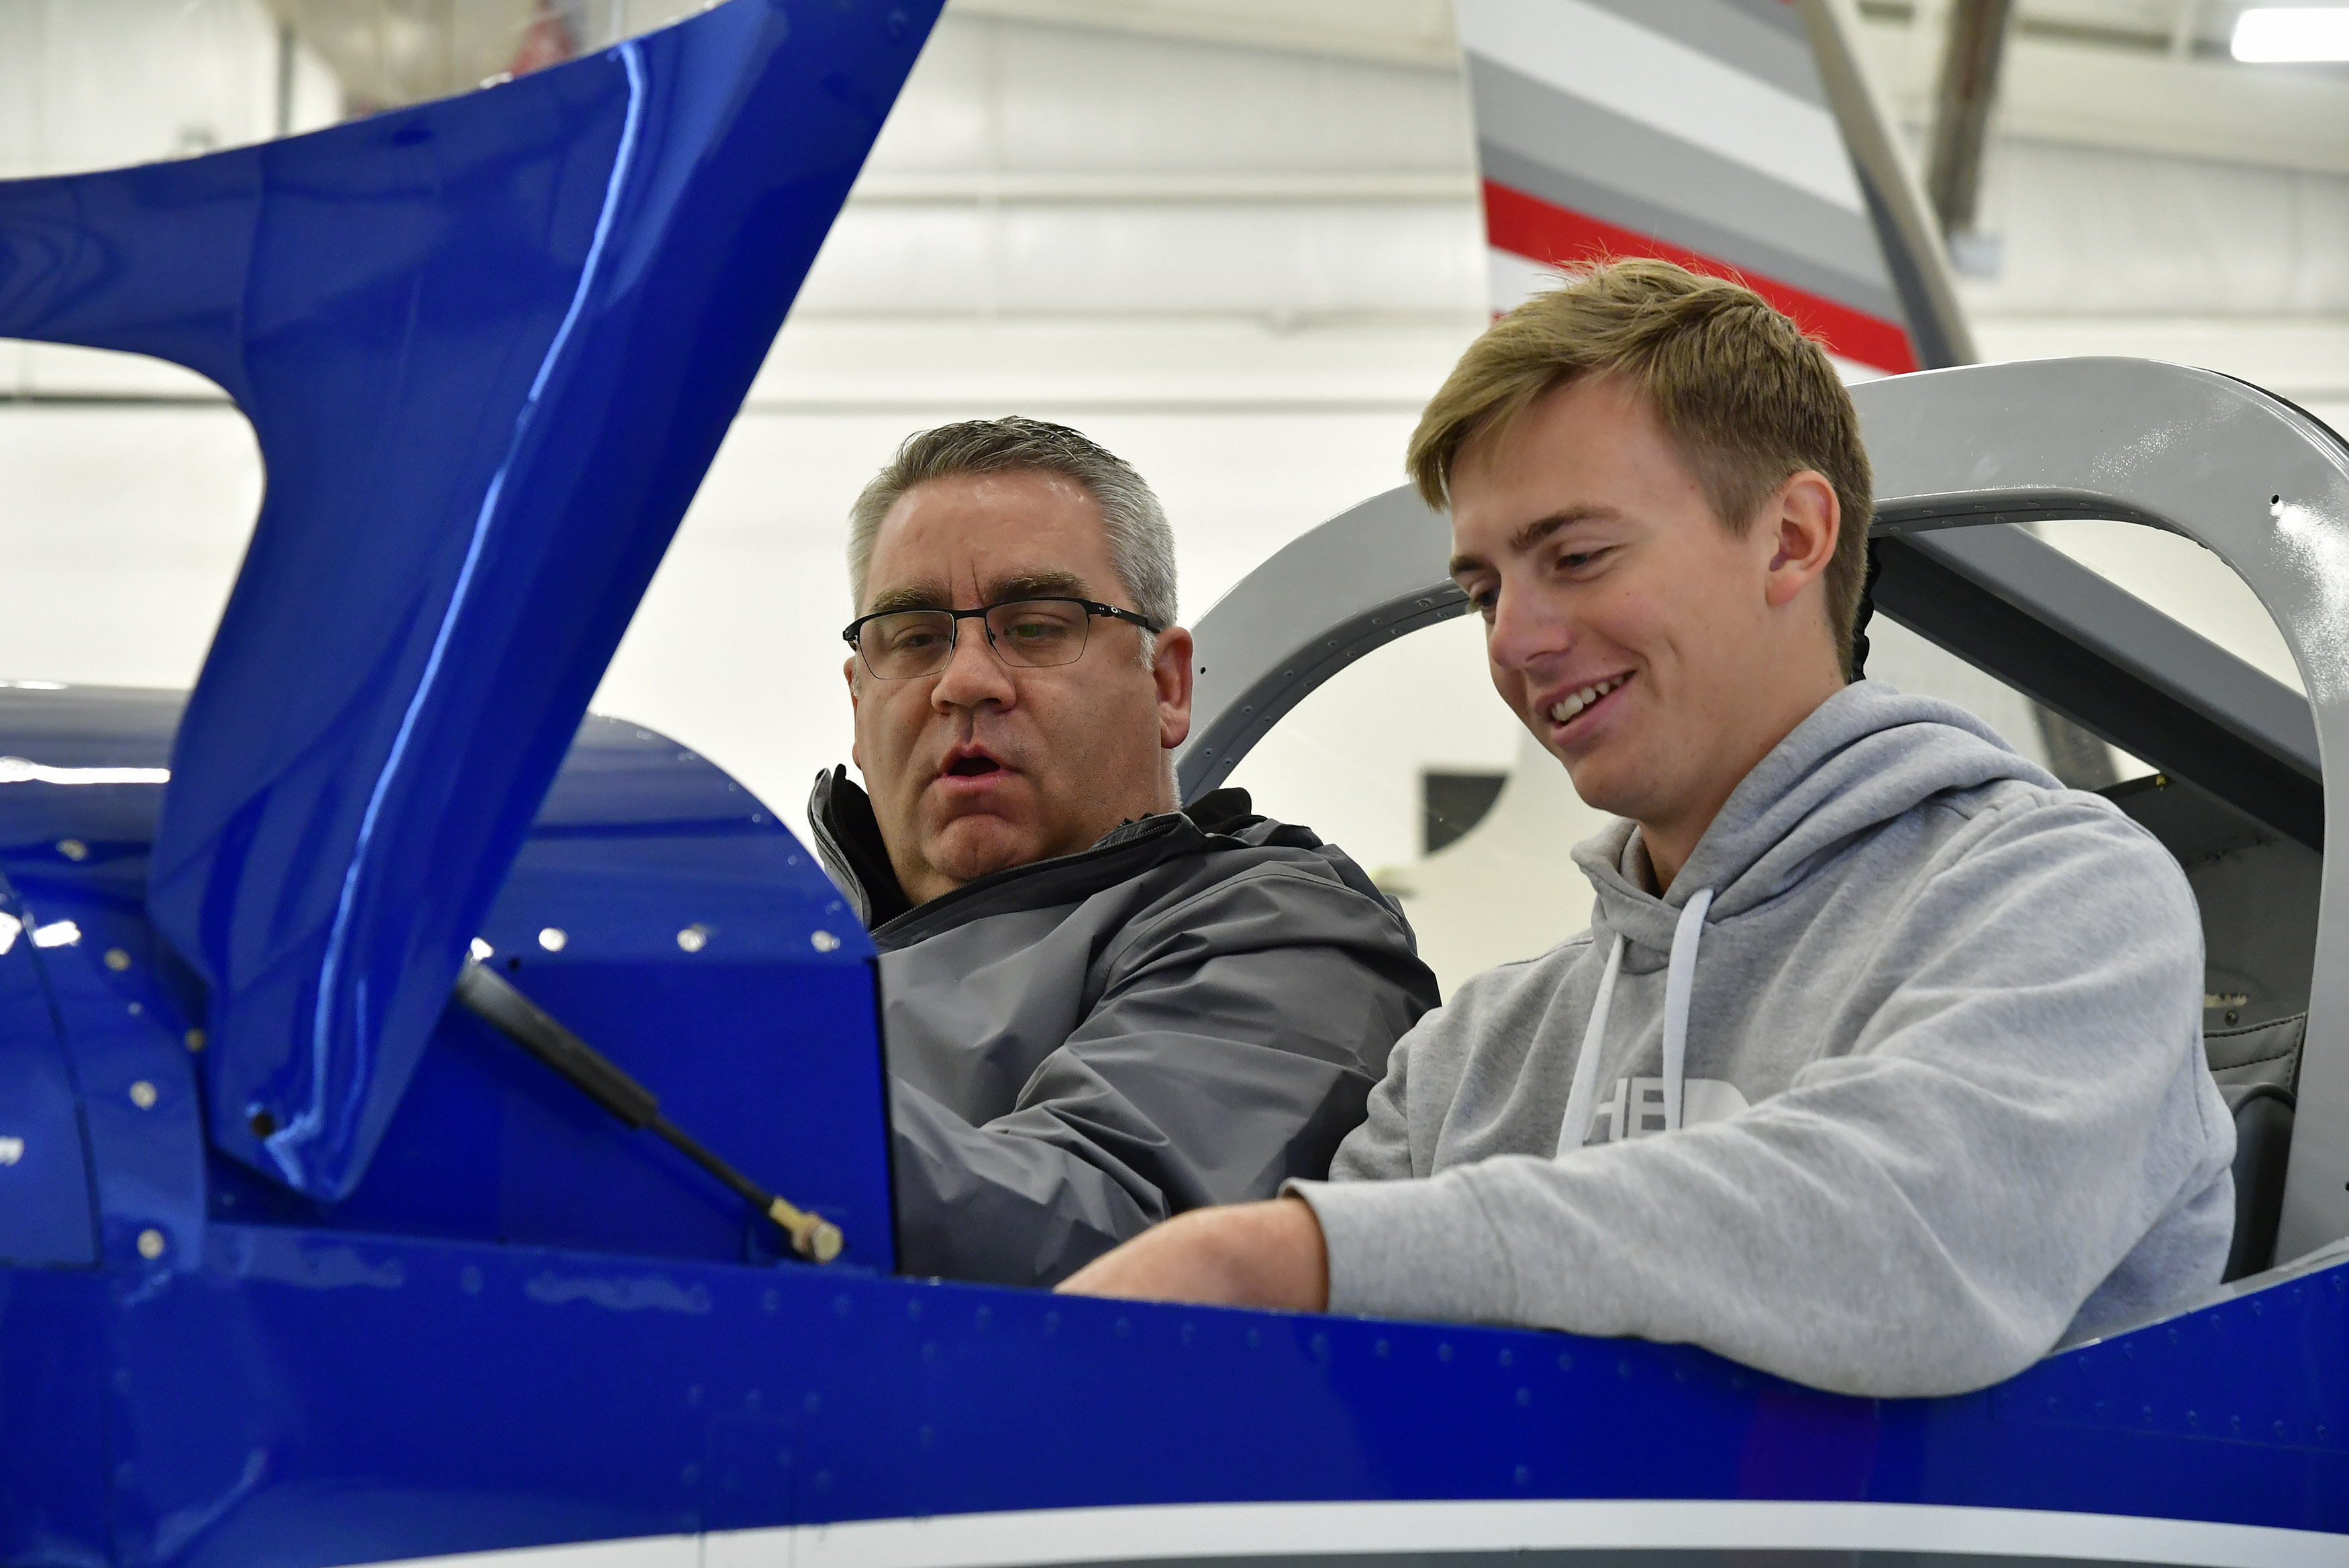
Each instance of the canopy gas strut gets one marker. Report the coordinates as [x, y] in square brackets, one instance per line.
[515, 1015]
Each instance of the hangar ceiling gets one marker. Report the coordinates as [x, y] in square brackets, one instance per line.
[2147, 75]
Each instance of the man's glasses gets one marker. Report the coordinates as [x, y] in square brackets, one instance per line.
[1035, 633]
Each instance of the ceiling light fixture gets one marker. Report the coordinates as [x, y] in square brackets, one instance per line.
[2271, 34]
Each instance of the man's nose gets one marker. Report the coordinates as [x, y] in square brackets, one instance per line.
[973, 676]
[1525, 630]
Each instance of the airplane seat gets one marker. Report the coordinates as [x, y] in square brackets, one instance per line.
[2263, 1113]
[2251, 1054]
[2258, 891]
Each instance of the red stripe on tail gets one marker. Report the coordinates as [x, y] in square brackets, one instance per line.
[1530, 227]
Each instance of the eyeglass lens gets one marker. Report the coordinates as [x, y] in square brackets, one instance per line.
[1032, 632]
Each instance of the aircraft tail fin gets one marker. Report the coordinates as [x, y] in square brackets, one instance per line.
[1735, 136]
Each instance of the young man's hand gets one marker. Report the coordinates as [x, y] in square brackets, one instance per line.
[1249, 1254]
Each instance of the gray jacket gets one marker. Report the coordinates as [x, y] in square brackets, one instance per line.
[1189, 1013]
[1931, 1076]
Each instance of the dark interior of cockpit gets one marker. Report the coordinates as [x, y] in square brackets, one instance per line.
[2258, 890]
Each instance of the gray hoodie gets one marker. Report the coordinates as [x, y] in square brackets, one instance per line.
[1921, 1029]
[1189, 1012]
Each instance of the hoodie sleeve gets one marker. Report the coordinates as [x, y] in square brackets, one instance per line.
[1920, 1216]
[1233, 1047]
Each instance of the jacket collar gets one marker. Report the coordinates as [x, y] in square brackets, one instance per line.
[848, 841]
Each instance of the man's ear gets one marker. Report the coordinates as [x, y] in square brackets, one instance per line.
[1171, 671]
[1802, 522]
[848, 674]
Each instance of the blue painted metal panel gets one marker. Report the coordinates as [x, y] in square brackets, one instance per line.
[318, 1398]
[56, 1353]
[762, 1039]
[488, 346]
[73, 851]
[47, 1214]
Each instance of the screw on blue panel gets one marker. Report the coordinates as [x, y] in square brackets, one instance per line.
[1053, 1323]
[1523, 1475]
[914, 1307]
[1524, 1396]
[926, 1435]
[929, 1350]
[1123, 1327]
[1508, 1358]
[769, 1301]
[1383, 1350]
[690, 1475]
[1444, 1353]
[840, 1304]
[1566, 1360]
[983, 1317]
[468, 1280]
[824, 1480]
[1186, 1334]
[811, 1404]
[1623, 1369]
[1254, 1338]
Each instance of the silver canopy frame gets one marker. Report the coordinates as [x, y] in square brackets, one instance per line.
[2248, 476]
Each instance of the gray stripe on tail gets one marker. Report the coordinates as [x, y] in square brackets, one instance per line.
[1768, 45]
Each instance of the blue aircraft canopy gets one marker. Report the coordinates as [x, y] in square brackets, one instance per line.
[489, 348]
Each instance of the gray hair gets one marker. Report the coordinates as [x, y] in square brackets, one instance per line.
[1141, 545]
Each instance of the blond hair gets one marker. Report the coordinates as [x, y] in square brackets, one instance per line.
[1743, 396]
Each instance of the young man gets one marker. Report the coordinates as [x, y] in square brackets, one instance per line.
[1100, 1010]
[1882, 1064]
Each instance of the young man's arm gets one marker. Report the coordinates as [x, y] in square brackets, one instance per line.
[1234, 1048]
[1923, 1216]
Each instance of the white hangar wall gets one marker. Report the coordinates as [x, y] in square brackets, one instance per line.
[1238, 243]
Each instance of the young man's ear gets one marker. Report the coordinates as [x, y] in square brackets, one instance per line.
[1802, 520]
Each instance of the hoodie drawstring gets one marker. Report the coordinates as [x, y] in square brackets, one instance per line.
[1576, 1126]
[1680, 982]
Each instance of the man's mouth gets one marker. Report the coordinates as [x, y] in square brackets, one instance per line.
[969, 765]
[1575, 702]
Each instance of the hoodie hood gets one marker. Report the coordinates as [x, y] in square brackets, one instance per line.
[1864, 757]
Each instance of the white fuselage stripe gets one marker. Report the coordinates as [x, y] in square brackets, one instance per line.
[1206, 1532]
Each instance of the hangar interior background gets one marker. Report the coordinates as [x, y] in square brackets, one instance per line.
[1238, 242]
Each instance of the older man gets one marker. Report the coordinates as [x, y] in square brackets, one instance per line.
[1100, 1010]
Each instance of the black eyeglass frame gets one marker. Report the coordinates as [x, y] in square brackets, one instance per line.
[1094, 608]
